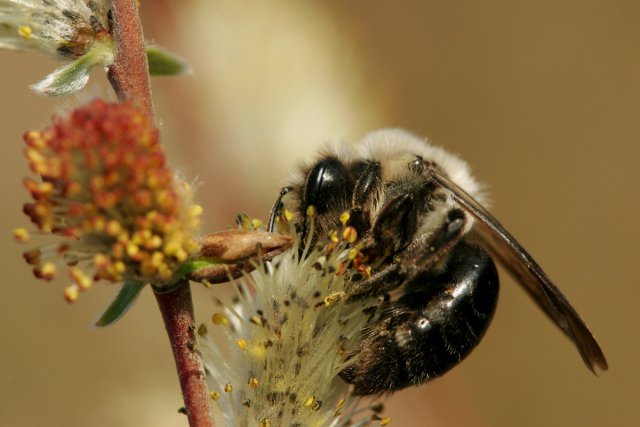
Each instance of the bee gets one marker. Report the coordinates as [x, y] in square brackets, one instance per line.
[418, 211]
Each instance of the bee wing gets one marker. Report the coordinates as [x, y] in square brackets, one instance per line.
[529, 274]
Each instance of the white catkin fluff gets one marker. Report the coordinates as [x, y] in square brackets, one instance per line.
[60, 28]
[284, 341]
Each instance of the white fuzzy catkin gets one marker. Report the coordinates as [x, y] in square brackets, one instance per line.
[284, 341]
[61, 28]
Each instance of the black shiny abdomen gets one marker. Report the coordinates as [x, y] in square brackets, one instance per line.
[434, 324]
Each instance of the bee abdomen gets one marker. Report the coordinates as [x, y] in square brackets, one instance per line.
[446, 315]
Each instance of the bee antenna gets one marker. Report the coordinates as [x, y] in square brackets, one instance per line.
[275, 211]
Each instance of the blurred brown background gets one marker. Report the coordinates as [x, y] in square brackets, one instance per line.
[541, 98]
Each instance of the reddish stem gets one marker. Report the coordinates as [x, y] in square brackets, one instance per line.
[177, 312]
[129, 76]
[129, 73]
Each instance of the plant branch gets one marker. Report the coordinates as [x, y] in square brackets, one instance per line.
[177, 312]
[129, 77]
[129, 73]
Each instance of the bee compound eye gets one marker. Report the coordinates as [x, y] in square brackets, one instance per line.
[327, 183]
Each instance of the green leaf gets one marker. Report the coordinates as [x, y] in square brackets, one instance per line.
[194, 265]
[65, 80]
[165, 63]
[124, 300]
[73, 77]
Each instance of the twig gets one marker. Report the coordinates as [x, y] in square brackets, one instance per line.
[129, 74]
[177, 312]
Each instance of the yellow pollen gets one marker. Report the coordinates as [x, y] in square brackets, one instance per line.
[256, 224]
[253, 382]
[101, 261]
[350, 235]
[288, 215]
[71, 293]
[334, 237]
[172, 248]
[311, 211]
[117, 252]
[340, 404]
[123, 237]
[165, 272]
[192, 246]
[163, 198]
[242, 344]
[25, 32]
[219, 319]
[353, 253]
[35, 139]
[309, 401]
[181, 255]
[214, 395]
[244, 221]
[21, 235]
[344, 217]
[46, 188]
[265, 422]
[333, 297]
[228, 388]
[157, 259]
[152, 215]
[257, 352]
[119, 267]
[47, 270]
[132, 250]
[196, 210]
[385, 421]
[113, 228]
[78, 277]
[141, 236]
[367, 271]
[99, 223]
[34, 157]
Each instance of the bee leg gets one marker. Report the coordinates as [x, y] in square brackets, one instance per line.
[365, 190]
[277, 207]
[367, 186]
[380, 283]
[422, 254]
[397, 223]
[428, 250]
